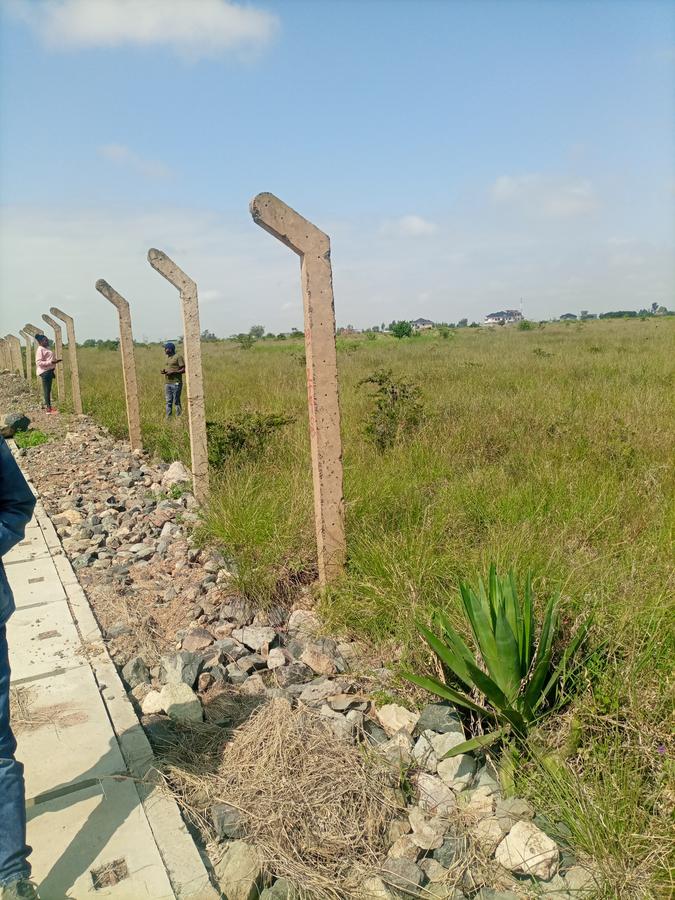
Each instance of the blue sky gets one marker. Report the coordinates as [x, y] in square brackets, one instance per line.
[461, 155]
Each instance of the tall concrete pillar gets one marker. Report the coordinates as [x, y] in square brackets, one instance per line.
[192, 350]
[128, 361]
[29, 354]
[58, 344]
[5, 360]
[313, 248]
[15, 353]
[72, 353]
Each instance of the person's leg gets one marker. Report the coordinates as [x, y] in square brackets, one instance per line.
[46, 388]
[14, 852]
[168, 396]
[179, 388]
[48, 391]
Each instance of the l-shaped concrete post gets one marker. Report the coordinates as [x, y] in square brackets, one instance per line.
[29, 354]
[58, 343]
[128, 361]
[193, 367]
[72, 353]
[313, 248]
[5, 358]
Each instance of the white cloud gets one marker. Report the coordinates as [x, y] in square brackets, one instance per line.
[409, 226]
[195, 28]
[123, 156]
[544, 195]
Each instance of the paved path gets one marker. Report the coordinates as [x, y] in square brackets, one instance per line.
[97, 825]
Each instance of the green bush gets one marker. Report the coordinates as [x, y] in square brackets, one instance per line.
[513, 673]
[525, 325]
[397, 411]
[246, 435]
[401, 329]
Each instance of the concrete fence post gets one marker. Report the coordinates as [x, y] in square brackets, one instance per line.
[5, 360]
[313, 248]
[29, 354]
[128, 361]
[15, 353]
[58, 344]
[193, 367]
[72, 353]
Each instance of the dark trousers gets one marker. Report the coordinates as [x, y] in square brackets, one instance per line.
[13, 850]
[47, 379]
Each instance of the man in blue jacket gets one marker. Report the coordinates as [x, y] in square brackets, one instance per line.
[16, 508]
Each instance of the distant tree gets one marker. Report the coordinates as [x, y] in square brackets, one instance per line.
[245, 341]
[655, 306]
[256, 331]
[269, 336]
[584, 313]
[281, 336]
[382, 327]
[207, 335]
[375, 328]
[474, 325]
[462, 323]
[401, 329]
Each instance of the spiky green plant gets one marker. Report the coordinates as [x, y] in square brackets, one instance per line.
[514, 673]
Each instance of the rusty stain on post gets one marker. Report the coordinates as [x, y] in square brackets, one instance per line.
[192, 350]
[58, 344]
[128, 360]
[29, 354]
[72, 353]
[313, 248]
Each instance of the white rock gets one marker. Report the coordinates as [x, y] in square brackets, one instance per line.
[176, 474]
[487, 834]
[152, 704]
[428, 833]
[457, 771]
[406, 847]
[479, 803]
[423, 752]
[397, 750]
[239, 872]
[580, 882]
[276, 658]
[302, 622]
[394, 718]
[254, 638]
[434, 795]
[181, 703]
[444, 743]
[374, 888]
[526, 850]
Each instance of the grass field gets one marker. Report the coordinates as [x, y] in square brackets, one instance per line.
[549, 450]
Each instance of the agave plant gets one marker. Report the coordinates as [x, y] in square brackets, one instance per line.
[514, 672]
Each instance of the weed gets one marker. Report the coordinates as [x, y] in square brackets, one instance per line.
[247, 434]
[30, 438]
[397, 412]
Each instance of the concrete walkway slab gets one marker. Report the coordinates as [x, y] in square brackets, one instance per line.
[99, 821]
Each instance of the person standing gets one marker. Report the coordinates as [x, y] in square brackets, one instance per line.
[16, 508]
[45, 366]
[173, 373]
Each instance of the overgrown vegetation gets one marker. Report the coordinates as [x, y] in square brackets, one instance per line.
[397, 410]
[247, 434]
[536, 451]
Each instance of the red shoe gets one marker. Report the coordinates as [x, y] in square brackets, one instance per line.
[52, 409]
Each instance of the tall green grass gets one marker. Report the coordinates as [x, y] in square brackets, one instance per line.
[549, 450]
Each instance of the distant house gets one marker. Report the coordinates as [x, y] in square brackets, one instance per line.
[568, 317]
[503, 317]
[422, 324]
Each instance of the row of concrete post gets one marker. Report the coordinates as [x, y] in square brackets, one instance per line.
[313, 248]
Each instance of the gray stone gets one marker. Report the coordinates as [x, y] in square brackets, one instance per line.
[276, 659]
[457, 771]
[424, 753]
[403, 875]
[235, 674]
[117, 630]
[428, 831]
[303, 623]
[580, 882]
[15, 422]
[178, 667]
[439, 717]
[451, 851]
[397, 750]
[374, 733]
[136, 672]
[181, 703]
[227, 822]
[405, 848]
[231, 649]
[239, 872]
[175, 474]
[254, 686]
[282, 889]
[255, 638]
[487, 833]
[295, 673]
[252, 662]
[374, 888]
[434, 795]
[317, 691]
[197, 639]
[512, 810]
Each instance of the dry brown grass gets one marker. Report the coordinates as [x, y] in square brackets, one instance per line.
[317, 808]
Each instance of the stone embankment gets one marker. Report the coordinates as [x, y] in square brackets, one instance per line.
[181, 634]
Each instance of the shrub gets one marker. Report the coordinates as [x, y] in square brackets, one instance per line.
[401, 329]
[245, 341]
[525, 325]
[513, 673]
[247, 434]
[444, 331]
[397, 412]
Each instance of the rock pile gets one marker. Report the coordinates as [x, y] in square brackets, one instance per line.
[180, 632]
